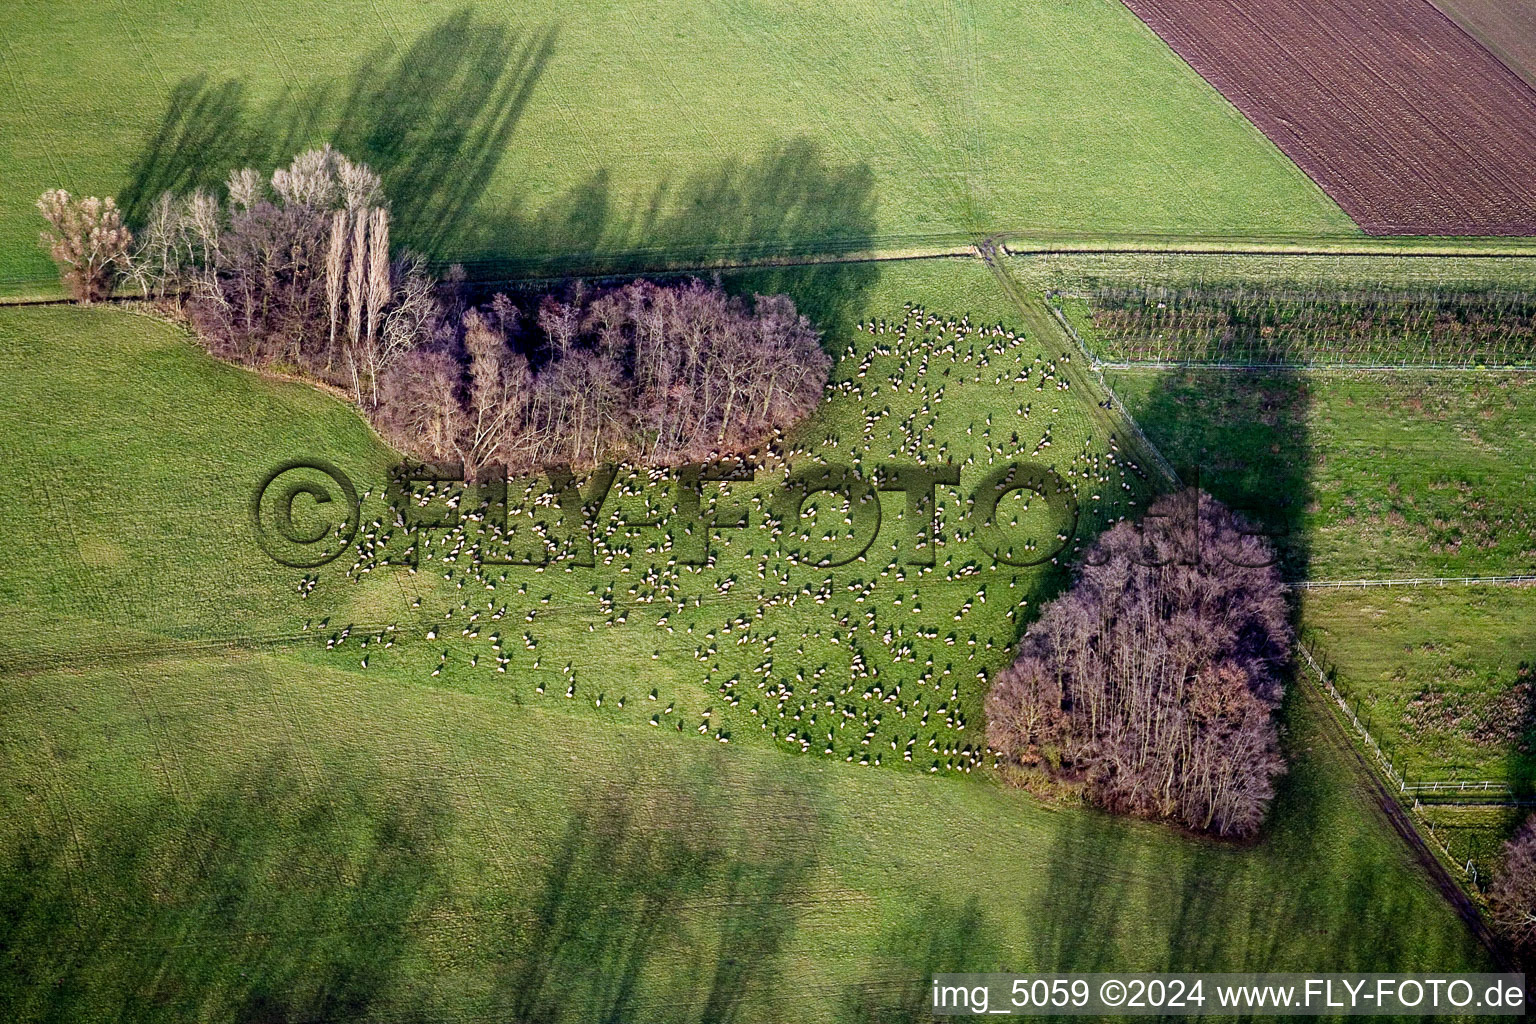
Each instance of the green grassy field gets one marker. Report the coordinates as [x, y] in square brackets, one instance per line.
[515, 140]
[711, 634]
[1389, 475]
[210, 814]
[1394, 474]
[1442, 677]
[1322, 269]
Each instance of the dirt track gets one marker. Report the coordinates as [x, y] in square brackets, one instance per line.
[1404, 119]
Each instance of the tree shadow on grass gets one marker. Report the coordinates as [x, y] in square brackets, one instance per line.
[941, 937]
[650, 910]
[268, 899]
[434, 119]
[437, 117]
[1520, 763]
[1242, 436]
[1113, 901]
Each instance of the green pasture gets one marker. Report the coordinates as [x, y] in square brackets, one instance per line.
[144, 539]
[1385, 475]
[222, 838]
[211, 814]
[1443, 676]
[1367, 474]
[546, 135]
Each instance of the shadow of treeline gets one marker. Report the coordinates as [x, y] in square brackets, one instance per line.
[1242, 436]
[437, 116]
[939, 937]
[650, 910]
[280, 898]
[433, 118]
[1298, 899]
[1520, 766]
[268, 899]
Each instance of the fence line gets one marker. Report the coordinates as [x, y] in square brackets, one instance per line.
[1409, 793]
[1130, 421]
[1411, 581]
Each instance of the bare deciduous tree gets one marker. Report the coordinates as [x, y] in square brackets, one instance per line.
[335, 274]
[88, 241]
[1512, 899]
[660, 374]
[377, 285]
[158, 261]
[1152, 683]
[355, 272]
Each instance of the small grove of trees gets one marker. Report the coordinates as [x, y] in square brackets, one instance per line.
[294, 270]
[88, 241]
[1512, 900]
[656, 374]
[1152, 683]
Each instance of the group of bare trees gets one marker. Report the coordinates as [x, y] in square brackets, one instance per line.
[1512, 899]
[87, 239]
[1153, 682]
[294, 270]
[657, 374]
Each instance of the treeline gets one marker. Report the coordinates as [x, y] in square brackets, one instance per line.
[1512, 899]
[295, 272]
[661, 375]
[1152, 683]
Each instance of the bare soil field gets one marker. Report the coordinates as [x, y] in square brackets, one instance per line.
[1506, 27]
[1409, 123]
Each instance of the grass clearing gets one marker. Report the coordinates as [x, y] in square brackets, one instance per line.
[609, 134]
[1370, 475]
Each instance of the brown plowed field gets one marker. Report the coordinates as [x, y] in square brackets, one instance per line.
[1402, 117]
[1507, 27]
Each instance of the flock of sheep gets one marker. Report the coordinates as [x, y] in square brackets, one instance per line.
[868, 676]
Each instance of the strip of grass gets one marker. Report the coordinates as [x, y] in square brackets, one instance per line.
[1076, 272]
[1400, 474]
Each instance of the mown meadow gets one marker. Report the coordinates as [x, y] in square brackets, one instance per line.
[553, 137]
